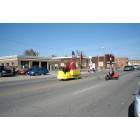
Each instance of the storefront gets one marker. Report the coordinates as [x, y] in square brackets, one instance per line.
[21, 61]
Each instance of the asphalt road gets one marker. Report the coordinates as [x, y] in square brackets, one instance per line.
[86, 97]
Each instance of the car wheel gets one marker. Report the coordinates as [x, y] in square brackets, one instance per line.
[106, 78]
[0, 74]
[131, 110]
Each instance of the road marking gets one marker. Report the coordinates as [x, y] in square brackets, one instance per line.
[86, 89]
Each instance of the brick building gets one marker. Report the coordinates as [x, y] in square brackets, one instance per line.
[121, 62]
[57, 62]
[104, 62]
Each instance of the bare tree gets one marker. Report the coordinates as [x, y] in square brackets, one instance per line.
[79, 52]
[53, 55]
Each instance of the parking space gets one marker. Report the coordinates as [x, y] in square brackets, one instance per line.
[26, 77]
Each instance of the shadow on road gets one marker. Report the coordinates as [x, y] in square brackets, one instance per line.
[131, 110]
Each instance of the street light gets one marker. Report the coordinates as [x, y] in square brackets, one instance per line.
[103, 54]
[90, 62]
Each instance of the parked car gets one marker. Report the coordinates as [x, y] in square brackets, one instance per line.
[137, 102]
[4, 71]
[136, 67]
[22, 71]
[134, 108]
[128, 68]
[37, 71]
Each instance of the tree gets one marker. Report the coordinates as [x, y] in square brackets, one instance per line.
[78, 53]
[30, 52]
[53, 55]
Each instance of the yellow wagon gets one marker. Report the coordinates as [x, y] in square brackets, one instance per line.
[72, 74]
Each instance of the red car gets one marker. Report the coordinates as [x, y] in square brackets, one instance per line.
[22, 71]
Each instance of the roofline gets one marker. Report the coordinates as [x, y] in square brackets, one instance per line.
[134, 59]
[65, 57]
[36, 57]
[9, 57]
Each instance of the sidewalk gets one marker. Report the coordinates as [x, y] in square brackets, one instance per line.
[53, 74]
[26, 77]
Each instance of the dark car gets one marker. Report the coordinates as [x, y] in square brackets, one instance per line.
[5, 71]
[37, 71]
[128, 68]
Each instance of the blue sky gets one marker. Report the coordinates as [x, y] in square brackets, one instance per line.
[62, 39]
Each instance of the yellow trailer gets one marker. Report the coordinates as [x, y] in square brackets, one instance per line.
[72, 74]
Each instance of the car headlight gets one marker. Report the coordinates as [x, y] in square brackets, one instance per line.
[3, 71]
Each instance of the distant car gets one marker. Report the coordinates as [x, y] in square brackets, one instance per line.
[136, 67]
[37, 71]
[5, 71]
[128, 68]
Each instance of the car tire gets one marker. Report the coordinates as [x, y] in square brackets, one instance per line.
[131, 110]
[106, 78]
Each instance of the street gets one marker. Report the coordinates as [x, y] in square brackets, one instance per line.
[90, 96]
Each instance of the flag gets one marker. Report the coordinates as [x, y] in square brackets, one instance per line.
[73, 54]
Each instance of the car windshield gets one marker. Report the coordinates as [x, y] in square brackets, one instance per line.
[127, 67]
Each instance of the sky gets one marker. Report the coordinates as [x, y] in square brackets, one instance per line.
[60, 39]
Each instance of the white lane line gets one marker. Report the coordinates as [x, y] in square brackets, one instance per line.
[85, 90]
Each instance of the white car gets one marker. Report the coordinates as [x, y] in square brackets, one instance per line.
[134, 108]
[137, 106]
[137, 67]
[137, 102]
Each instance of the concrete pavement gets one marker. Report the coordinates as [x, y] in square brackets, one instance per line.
[89, 96]
[52, 74]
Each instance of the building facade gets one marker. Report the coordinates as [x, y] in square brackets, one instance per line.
[20, 61]
[57, 62]
[134, 62]
[103, 62]
[121, 62]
